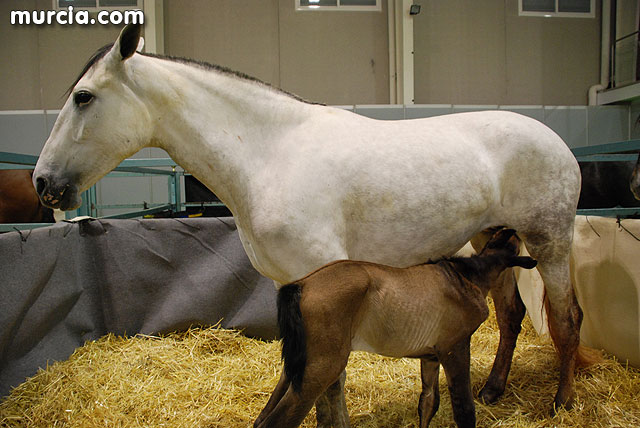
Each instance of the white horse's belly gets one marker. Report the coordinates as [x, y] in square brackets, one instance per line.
[297, 249]
[400, 195]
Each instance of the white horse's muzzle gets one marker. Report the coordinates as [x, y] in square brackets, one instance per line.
[56, 193]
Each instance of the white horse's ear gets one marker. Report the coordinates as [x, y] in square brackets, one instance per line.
[140, 45]
[127, 42]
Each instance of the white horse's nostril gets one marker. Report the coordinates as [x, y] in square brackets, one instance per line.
[41, 185]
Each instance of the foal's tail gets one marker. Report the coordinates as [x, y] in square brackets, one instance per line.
[294, 338]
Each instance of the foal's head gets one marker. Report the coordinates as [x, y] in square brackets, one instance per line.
[499, 253]
[503, 249]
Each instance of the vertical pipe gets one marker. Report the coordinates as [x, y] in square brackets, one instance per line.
[613, 20]
[399, 41]
[407, 53]
[154, 26]
[637, 37]
[605, 53]
[605, 59]
[403, 52]
[171, 183]
[178, 179]
[393, 72]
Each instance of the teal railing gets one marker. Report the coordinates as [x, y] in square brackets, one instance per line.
[90, 206]
[619, 151]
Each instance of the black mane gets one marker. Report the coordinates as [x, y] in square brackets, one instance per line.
[475, 265]
[470, 267]
[100, 53]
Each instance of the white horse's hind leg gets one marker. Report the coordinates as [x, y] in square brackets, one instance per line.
[551, 250]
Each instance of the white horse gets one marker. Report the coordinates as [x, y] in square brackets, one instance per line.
[309, 184]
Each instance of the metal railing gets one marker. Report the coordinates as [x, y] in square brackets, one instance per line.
[90, 206]
[610, 152]
[619, 151]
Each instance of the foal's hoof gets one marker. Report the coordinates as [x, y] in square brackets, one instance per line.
[490, 395]
[566, 404]
[562, 401]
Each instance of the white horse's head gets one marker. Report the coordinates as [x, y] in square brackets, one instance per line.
[103, 121]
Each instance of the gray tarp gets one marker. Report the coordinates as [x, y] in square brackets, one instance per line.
[63, 285]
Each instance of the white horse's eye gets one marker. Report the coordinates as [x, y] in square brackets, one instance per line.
[82, 98]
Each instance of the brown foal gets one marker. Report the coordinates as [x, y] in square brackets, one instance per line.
[427, 311]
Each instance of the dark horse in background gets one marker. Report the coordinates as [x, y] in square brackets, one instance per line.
[610, 184]
[19, 202]
[634, 183]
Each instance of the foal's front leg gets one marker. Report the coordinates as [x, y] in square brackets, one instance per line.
[456, 367]
[430, 395]
[510, 311]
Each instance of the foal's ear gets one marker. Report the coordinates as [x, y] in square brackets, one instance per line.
[127, 42]
[522, 261]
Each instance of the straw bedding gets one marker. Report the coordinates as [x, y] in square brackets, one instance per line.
[218, 378]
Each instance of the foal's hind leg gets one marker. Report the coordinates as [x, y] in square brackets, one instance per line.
[565, 315]
[276, 396]
[322, 371]
[331, 406]
[291, 410]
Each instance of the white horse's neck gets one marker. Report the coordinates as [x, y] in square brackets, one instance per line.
[219, 127]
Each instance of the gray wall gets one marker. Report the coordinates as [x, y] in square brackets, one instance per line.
[39, 62]
[335, 58]
[482, 52]
[466, 51]
[328, 57]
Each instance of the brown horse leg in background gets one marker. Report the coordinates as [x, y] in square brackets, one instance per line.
[19, 202]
